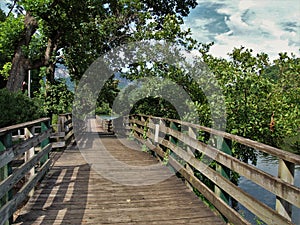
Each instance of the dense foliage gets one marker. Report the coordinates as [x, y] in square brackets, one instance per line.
[17, 108]
[261, 97]
[55, 98]
[260, 105]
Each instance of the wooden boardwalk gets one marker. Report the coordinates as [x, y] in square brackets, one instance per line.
[74, 193]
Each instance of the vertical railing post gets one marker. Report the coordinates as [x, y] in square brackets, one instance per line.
[190, 150]
[5, 171]
[286, 171]
[162, 127]
[153, 130]
[61, 126]
[132, 125]
[45, 142]
[173, 126]
[173, 140]
[28, 155]
[225, 172]
[156, 131]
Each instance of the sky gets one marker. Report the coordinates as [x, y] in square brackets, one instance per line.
[269, 26]
[2, 3]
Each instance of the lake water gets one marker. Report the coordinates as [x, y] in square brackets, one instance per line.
[268, 164]
[107, 117]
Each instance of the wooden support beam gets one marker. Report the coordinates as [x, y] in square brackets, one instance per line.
[16, 150]
[21, 171]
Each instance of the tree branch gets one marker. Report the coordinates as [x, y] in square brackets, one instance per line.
[12, 7]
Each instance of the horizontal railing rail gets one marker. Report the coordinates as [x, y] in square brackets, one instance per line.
[178, 142]
[24, 160]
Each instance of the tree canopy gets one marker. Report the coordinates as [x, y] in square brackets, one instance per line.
[81, 29]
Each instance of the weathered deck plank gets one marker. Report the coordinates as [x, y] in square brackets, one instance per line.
[74, 193]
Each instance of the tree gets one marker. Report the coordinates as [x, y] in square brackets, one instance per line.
[285, 101]
[83, 29]
[255, 89]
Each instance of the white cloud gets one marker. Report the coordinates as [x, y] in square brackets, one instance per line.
[269, 26]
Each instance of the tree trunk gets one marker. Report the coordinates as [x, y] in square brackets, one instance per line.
[51, 48]
[20, 62]
[50, 73]
[17, 72]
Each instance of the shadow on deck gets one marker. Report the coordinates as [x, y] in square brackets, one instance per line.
[75, 193]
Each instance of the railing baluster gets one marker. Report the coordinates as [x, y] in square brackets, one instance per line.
[225, 172]
[44, 127]
[286, 171]
[28, 155]
[191, 151]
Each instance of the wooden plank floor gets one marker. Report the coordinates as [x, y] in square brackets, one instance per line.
[75, 193]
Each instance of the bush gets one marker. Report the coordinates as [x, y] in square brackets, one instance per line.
[17, 108]
[55, 98]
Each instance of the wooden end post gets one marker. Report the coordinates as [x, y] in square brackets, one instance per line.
[156, 133]
[162, 126]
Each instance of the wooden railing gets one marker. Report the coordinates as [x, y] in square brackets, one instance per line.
[178, 141]
[24, 160]
[63, 131]
[106, 124]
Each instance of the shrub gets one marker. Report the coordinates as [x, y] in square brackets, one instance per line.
[16, 108]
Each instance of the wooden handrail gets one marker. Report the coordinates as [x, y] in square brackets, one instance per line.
[288, 156]
[4, 130]
[155, 129]
[33, 148]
